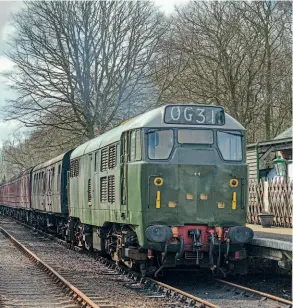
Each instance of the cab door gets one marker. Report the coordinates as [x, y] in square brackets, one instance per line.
[88, 186]
[89, 181]
[43, 191]
[124, 155]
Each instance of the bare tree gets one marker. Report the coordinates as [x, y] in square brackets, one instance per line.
[230, 56]
[17, 155]
[272, 21]
[167, 67]
[223, 58]
[27, 149]
[79, 65]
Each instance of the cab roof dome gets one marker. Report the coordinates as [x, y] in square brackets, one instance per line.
[150, 119]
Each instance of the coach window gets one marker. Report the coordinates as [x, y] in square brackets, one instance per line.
[39, 183]
[44, 181]
[34, 184]
[160, 143]
[58, 177]
[53, 179]
[49, 180]
[230, 145]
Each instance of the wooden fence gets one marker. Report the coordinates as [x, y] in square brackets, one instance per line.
[274, 196]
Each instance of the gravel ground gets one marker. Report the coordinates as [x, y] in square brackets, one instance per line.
[98, 282]
[203, 285]
[23, 284]
[280, 286]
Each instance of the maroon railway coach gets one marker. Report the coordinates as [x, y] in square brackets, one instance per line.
[17, 192]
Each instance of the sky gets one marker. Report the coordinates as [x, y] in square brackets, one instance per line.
[7, 8]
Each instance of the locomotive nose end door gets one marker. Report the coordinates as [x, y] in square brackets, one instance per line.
[197, 182]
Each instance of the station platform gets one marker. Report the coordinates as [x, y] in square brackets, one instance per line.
[273, 232]
[272, 243]
[274, 237]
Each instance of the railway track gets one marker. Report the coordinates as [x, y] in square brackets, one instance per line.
[102, 280]
[219, 293]
[251, 293]
[24, 284]
[225, 294]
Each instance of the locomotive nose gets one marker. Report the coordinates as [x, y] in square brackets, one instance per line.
[240, 234]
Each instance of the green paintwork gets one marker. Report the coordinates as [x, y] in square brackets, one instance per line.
[180, 174]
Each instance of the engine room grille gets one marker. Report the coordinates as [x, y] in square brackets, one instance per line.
[112, 156]
[104, 159]
[89, 190]
[74, 168]
[111, 189]
[103, 189]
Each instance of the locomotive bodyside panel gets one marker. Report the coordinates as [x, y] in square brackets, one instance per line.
[79, 206]
[92, 201]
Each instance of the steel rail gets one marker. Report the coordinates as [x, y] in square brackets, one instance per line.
[203, 303]
[264, 295]
[76, 294]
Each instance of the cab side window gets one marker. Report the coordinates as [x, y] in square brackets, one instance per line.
[138, 145]
[132, 146]
[135, 145]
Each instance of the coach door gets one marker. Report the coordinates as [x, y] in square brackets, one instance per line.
[49, 189]
[68, 189]
[44, 193]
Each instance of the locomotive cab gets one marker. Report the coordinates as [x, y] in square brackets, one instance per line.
[196, 195]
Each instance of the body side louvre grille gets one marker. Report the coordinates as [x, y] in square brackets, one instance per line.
[74, 168]
[89, 190]
[103, 189]
[112, 156]
[104, 159]
[111, 189]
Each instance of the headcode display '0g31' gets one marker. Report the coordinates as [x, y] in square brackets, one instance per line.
[194, 115]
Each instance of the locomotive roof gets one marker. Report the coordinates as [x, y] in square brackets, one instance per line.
[150, 119]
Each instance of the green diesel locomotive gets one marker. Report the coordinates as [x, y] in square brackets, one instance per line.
[165, 189]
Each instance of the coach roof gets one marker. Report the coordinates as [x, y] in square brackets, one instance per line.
[49, 162]
[150, 119]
